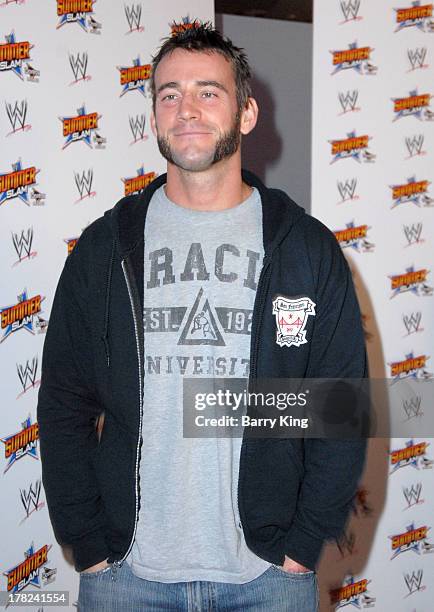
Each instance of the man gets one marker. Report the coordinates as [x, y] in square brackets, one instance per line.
[180, 281]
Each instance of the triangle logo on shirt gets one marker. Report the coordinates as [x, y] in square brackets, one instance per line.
[201, 326]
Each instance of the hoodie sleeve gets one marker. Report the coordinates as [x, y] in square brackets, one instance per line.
[67, 411]
[332, 467]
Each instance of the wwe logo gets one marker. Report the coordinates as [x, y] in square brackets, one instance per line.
[137, 126]
[414, 145]
[78, 65]
[350, 9]
[17, 116]
[30, 499]
[412, 495]
[27, 375]
[412, 322]
[349, 100]
[413, 582]
[133, 14]
[417, 57]
[23, 245]
[413, 407]
[83, 182]
[347, 189]
[412, 233]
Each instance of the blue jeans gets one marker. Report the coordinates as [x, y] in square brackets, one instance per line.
[276, 590]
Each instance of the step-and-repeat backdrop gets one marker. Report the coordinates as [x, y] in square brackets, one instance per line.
[74, 138]
[372, 184]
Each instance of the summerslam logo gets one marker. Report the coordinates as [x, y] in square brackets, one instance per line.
[186, 24]
[22, 443]
[352, 592]
[134, 77]
[354, 236]
[78, 11]
[412, 280]
[416, 105]
[82, 127]
[357, 58]
[23, 315]
[70, 244]
[353, 146]
[413, 539]
[15, 56]
[417, 15]
[412, 454]
[135, 184]
[411, 191]
[410, 367]
[28, 571]
[16, 184]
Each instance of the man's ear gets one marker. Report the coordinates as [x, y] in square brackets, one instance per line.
[153, 123]
[249, 116]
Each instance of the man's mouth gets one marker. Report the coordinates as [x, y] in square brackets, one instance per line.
[192, 133]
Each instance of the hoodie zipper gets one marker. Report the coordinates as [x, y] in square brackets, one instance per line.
[255, 345]
[117, 564]
[262, 296]
[252, 375]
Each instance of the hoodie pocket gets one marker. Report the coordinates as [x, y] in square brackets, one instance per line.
[269, 486]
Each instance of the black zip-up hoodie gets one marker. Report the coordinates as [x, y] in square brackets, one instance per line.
[293, 494]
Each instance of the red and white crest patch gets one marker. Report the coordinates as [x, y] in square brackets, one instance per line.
[291, 318]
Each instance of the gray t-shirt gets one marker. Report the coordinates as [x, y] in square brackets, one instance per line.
[201, 274]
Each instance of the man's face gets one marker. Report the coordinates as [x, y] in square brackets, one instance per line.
[196, 121]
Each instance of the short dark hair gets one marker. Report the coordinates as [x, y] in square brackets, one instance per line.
[204, 37]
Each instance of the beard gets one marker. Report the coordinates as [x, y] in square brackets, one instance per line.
[225, 146]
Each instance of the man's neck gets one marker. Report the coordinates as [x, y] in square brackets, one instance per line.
[217, 188]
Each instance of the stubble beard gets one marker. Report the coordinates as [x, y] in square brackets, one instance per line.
[225, 147]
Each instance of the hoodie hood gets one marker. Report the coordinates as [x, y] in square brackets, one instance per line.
[127, 218]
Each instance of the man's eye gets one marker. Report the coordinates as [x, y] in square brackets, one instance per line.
[169, 97]
[208, 94]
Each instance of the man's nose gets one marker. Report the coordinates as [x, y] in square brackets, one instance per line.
[188, 108]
